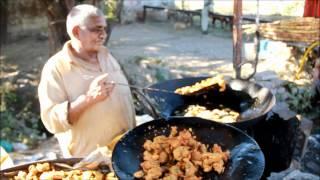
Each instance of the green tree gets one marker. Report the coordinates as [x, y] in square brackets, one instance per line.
[57, 11]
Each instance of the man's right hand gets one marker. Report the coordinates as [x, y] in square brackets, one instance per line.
[99, 89]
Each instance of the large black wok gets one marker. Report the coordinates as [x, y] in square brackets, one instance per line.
[250, 99]
[247, 160]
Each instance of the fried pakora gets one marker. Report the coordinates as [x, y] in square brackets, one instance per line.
[206, 83]
[48, 171]
[178, 156]
[224, 115]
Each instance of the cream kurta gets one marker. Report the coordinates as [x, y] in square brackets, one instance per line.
[64, 78]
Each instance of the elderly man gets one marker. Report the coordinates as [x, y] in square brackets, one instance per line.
[79, 104]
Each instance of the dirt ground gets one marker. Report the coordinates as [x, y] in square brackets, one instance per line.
[185, 49]
[188, 52]
[183, 52]
[156, 51]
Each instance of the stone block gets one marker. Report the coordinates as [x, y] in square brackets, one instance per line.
[311, 159]
[291, 174]
[282, 110]
[302, 135]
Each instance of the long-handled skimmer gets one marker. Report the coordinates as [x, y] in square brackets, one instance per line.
[143, 88]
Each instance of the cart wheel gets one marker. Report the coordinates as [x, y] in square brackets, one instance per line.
[305, 57]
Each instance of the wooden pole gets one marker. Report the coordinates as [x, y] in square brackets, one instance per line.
[237, 36]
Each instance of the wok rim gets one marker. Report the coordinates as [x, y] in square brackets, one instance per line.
[116, 169]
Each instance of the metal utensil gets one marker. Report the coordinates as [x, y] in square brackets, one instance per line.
[196, 93]
[143, 88]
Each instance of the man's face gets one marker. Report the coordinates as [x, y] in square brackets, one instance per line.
[93, 35]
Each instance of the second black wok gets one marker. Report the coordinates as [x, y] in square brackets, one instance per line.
[251, 100]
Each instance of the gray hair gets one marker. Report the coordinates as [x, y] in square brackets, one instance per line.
[79, 15]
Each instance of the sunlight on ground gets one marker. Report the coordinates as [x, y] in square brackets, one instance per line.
[163, 45]
[152, 48]
[199, 63]
[2, 57]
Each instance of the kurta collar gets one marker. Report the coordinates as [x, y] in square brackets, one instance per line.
[80, 62]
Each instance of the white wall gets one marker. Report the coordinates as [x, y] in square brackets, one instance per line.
[132, 7]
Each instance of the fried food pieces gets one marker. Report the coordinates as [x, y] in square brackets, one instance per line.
[206, 83]
[46, 171]
[180, 155]
[224, 115]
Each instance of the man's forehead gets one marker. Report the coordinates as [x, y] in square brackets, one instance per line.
[96, 21]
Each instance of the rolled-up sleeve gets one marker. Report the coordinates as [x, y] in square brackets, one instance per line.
[53, 100]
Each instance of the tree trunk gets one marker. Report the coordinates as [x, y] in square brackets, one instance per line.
[57, 12]
[3, 21]
[119, 9]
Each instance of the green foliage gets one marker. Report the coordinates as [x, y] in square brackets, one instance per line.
[19, 122]
[148, 60]
[111, 10]
[137, 59]
[300, 99]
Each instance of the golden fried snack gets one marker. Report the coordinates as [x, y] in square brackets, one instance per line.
[206, 83]
[43, 167]
[111, 176]
[224, 115]
[179, 156]
[46, 171]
